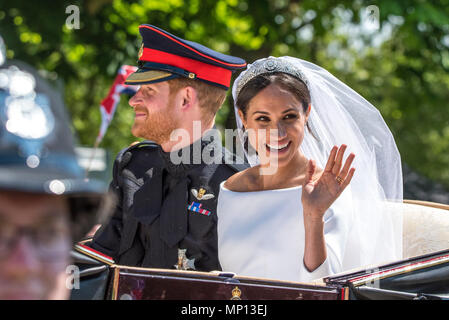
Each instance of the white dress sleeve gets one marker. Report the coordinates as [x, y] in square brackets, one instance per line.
[322, 271]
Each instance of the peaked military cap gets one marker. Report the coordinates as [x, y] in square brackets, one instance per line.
[164, 56]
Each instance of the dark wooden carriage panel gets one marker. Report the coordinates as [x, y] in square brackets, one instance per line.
[157, 284]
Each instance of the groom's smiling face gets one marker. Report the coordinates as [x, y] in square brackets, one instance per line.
[154, 118]
[275, 120]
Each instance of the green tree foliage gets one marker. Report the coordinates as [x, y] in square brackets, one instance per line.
[401, 66]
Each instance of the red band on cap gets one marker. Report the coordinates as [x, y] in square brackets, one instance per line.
[190, 48]
[202, 70]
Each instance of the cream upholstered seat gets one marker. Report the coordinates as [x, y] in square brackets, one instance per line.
[425, 227]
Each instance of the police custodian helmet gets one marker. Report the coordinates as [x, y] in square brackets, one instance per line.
[37, 149]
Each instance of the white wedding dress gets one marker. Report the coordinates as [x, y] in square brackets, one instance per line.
[261, 234]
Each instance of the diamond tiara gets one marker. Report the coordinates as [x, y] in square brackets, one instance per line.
[270, 65]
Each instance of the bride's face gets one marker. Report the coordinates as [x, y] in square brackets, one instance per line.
[275, 122]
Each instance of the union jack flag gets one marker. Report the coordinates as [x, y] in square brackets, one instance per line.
[108, 104]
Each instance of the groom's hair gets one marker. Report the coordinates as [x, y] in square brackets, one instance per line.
[210, 97]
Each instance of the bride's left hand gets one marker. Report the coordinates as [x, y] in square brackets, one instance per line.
[318, 195]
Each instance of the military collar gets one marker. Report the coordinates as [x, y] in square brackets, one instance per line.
[180, 161]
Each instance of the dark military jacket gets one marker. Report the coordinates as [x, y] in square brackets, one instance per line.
[166, 213]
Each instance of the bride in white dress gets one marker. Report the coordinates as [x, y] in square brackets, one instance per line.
[301, 212]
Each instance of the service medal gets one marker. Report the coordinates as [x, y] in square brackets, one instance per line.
[183, 262]
[197, 207]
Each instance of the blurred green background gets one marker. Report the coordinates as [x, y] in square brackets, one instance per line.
[399, 62]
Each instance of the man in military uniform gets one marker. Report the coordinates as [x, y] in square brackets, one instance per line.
[45, 202]
[166, 217]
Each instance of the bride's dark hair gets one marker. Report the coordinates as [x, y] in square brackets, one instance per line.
[287, 82]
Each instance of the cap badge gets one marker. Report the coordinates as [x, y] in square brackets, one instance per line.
[140, 51]
[201, 194]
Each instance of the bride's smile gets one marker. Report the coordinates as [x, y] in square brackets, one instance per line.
[278, 147]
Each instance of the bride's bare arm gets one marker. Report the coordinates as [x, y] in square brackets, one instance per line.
[317, 197]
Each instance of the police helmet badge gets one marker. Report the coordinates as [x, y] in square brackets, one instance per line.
[26, 115]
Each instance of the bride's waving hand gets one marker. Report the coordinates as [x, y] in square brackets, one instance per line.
[318, 195]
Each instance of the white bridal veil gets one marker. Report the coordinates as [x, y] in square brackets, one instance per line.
[338, 116]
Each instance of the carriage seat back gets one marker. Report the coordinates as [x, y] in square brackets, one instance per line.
[425, 228]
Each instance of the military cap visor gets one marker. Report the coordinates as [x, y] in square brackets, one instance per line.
[162, 51]
[146, 76]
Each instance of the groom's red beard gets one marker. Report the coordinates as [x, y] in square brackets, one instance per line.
[156, 126]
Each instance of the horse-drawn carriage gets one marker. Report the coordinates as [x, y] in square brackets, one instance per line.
[423, 273]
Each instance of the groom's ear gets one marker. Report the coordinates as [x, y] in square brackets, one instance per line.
[188, 97]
